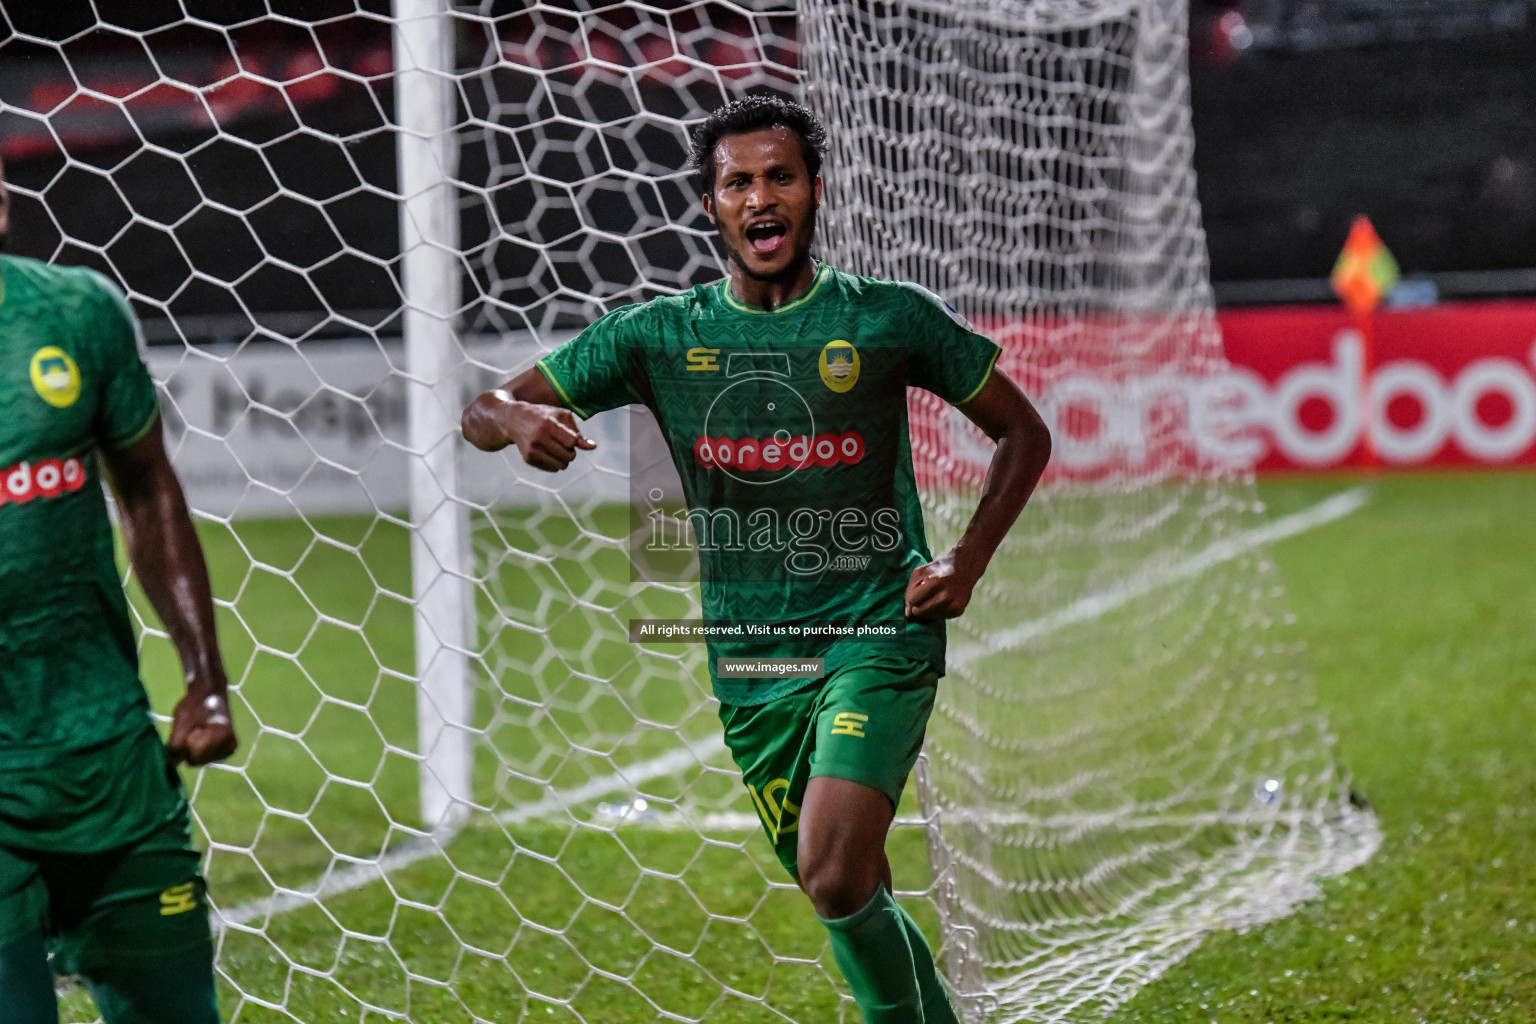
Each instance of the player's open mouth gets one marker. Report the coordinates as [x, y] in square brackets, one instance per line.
[767, 236]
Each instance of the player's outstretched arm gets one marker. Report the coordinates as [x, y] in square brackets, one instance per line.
[165, 553]
[526, 412]
[942, 588]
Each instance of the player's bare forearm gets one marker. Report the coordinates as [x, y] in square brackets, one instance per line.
[168, 559]
[1005, 415]
[165, 554]
[525, 412]
[942, 588]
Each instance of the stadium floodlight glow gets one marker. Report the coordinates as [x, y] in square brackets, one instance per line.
[464, 793]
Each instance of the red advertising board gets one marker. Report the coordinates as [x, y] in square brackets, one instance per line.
[1448, 385]
[1145, 397]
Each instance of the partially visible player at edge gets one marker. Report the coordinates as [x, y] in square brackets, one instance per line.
[825, 759]
[96, 861]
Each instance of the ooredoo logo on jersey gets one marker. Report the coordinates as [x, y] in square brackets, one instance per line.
[55, 377]
[779, 452]
[47, 479]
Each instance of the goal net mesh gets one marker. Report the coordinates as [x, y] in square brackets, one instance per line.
[1124, 755]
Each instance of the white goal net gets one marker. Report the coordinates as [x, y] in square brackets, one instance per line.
[1123, 756]
[463, 794]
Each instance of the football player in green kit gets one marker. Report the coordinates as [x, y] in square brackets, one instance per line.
[781, 392]
[96, 861]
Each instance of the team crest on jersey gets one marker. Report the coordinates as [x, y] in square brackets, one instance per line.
[839, 366]
[55, 377]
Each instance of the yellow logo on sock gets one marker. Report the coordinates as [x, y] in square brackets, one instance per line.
[178, 899]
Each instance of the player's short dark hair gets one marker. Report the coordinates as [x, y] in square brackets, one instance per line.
[753, 114]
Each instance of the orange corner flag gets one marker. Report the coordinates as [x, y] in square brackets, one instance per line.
[1365, 270]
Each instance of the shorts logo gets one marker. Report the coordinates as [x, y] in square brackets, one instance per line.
[780, 815]
[47, 479]
[178, 899]
[839, 366]
[849, 723]
[703, 359]
[55, 377]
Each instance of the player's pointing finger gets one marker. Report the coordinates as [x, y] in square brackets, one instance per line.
[562, 430]
[570, 433]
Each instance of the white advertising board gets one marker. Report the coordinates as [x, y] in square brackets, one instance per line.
[273, 429]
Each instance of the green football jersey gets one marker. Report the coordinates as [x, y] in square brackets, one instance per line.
[789, 430]
[71, 381]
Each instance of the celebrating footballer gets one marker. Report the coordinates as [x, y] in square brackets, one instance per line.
[781, 393]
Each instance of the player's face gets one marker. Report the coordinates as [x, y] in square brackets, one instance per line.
[764, 202]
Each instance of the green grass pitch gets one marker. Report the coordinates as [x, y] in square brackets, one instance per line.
[1416, 611]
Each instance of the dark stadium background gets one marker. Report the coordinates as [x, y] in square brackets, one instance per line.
[1305, 113]
[1415, 610]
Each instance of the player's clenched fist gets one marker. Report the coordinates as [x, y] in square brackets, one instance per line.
[202, 729]
[548, 438]
[545, 433]
[939, 590]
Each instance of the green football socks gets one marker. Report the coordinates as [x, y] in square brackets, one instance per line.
[886, 961]
[168, 993]
[937, 1008]
[871, 948]
[26, 983]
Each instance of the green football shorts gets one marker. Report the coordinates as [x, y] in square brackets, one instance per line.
[865, 723]
[140, 902]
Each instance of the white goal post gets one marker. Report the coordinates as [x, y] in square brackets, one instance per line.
[440, 554]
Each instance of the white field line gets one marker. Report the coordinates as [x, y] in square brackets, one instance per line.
[361, 872]
[624, 779]
[1093, 606]
[336, 880]
[743, 821]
